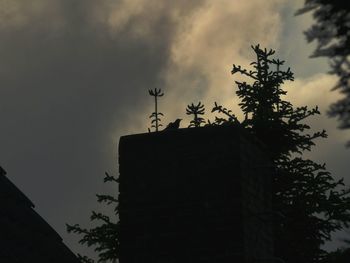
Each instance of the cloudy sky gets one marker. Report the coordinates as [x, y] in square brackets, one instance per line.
[74, 77]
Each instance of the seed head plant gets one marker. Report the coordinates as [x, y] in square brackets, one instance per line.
[155, 116]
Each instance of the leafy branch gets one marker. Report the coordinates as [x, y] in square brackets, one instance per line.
[104, 237]
[228, 113]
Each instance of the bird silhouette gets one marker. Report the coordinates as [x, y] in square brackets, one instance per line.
[173, 125]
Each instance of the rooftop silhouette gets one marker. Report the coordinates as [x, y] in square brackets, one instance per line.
[25, 235]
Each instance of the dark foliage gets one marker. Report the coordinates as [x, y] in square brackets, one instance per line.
[331, 31]
[312, 202]
[227, 113]
[104, 236]
[338, 256]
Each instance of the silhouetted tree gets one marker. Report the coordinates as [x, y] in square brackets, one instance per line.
[331, 30]
[155, 115]
[104, 236]
[196, 111]
[312, 202]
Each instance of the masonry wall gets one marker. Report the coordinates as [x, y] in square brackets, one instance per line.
[193, 195]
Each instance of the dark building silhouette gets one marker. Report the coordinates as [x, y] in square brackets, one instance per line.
[25, 237]
[194, 195]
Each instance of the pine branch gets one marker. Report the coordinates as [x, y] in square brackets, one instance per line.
[228, 113]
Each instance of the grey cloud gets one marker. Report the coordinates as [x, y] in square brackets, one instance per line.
[69, 83]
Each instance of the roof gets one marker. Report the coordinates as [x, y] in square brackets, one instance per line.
[24, 235]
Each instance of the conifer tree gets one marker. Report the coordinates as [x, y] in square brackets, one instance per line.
[330, 31]
[312, 203]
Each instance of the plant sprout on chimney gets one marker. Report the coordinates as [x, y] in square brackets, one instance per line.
[196, 110]
[155, 116]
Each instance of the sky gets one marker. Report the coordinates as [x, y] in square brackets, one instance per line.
[75, 75]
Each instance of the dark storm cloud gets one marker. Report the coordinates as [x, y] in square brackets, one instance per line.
[70, 81]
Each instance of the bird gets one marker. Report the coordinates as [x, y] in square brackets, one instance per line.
[173, 125]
